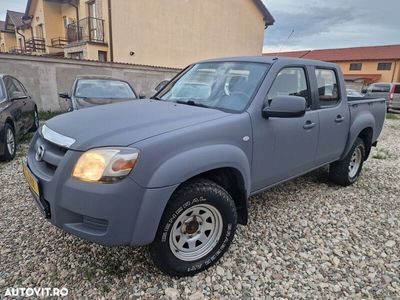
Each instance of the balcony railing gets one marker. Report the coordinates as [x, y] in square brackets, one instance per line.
[35, 45]
[88, 30]
[16, 50]
[59, 42]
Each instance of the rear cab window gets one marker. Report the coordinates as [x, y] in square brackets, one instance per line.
[328, 89]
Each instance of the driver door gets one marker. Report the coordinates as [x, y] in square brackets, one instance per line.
[285, 147]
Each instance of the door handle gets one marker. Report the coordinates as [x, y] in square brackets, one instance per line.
[309, 125]
[339, 119]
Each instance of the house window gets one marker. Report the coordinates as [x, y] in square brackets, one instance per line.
[39, 31]
[76, 55]
[384, 66]
[103, 56]
[355, 66]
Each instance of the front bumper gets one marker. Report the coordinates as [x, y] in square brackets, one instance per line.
[122, 213]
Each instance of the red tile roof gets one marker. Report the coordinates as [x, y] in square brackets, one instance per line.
[347, 54]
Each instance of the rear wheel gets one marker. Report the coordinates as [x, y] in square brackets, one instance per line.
[196, 229]
[346, 171]
[35, 125]
[10, 143]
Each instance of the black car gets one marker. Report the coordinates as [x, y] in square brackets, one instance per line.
[18, 115]
[92, 90]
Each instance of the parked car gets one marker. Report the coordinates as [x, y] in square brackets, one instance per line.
[90, 90]
[353, 93]
[389, 91]
[18, 115]
[175, 172]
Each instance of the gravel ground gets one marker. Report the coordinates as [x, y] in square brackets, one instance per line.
[306, 239]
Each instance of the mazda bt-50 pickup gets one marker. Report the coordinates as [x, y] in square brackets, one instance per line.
[175, 172]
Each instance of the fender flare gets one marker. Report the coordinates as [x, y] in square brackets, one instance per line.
[364, 120]
[193, 162]
[177, 170]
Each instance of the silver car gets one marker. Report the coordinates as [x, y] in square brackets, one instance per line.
[389, 91]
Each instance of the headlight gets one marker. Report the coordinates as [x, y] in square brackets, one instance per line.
[105, 164]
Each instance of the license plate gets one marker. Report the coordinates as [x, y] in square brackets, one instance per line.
[32, 181]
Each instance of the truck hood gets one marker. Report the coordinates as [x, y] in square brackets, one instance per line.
[126, 123]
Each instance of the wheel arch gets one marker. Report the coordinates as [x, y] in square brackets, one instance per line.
[362, 127]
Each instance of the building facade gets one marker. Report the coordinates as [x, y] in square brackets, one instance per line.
[169, 33]
[361, 66]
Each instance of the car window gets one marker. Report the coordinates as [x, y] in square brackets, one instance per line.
[379, 88]
[18, 85]
[328, 89]
[2, 94]
[103, 89]
[10, 86]
[221, 85]
[397, 89]
[290, 82]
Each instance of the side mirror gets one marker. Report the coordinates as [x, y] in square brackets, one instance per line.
[65, 95]
[18, 96]
[161, 85]
[285, 107]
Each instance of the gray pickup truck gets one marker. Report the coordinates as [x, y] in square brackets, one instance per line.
[175, 172]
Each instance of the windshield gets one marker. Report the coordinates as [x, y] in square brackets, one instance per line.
[222, 85]
[103, 89]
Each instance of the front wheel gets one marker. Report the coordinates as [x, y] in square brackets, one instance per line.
[346, 171]
[10, 143]
[195, 230]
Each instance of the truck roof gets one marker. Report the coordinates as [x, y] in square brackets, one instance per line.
[272, 60]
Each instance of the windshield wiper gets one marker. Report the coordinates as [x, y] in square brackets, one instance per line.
[156, 98]
[192, 103]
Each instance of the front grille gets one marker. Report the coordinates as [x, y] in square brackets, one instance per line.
[52, 157]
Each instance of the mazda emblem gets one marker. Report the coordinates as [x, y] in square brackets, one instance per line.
[39, 153]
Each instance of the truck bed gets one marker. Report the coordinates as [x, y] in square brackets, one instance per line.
[368, 108]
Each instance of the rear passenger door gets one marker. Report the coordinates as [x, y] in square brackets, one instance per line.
[15, 107]
[334, 115]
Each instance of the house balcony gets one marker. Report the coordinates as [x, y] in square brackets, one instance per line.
[59, 42]
[86, 30]
[35, 45]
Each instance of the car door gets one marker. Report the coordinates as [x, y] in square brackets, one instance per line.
[28, 105]
[285, 147]
[15, 107]
[334, 115]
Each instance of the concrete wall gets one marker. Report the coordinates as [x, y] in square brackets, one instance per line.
[45, 77]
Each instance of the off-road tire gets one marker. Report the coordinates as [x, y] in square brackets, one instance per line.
[339, 172]
[192, 194]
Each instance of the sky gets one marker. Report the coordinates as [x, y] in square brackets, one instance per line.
[317, 24]
[332, 24]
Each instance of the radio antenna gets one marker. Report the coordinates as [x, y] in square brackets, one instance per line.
[288, 38]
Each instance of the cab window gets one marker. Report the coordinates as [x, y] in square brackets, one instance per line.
[290, 82]
[328, 89]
